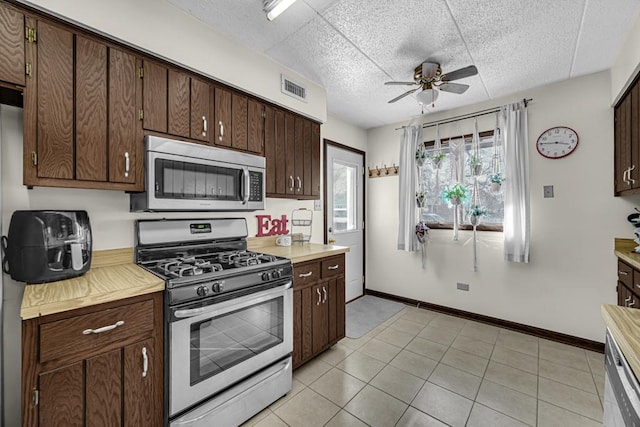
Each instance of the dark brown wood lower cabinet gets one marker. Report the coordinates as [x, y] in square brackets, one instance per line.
[118, 383]
[318, 308]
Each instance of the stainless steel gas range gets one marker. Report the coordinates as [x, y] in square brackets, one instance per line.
[228, 319]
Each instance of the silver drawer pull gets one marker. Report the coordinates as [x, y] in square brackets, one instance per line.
[303, 275]
[319, 296]
[103, 329]
[145, 362]
[623, 273]
[333, 267]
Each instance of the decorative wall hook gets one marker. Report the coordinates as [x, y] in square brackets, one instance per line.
[380, 172]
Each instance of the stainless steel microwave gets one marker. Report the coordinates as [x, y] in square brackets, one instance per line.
[181, 176]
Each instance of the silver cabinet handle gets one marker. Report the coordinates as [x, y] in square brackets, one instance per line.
[325, 294]
[145, 362]
[291, 181]
[126, 164]
[626, 301]
[624, 176]
[103, 329]
[319, 296]
[299, 183]
[623, 273]
[632, 168]
[221, 130]
[305, 274]
[632, 303]
[333, 267]
[204, 126]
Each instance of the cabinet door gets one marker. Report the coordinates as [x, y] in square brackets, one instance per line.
[91, 110]
[623, 143]
[124, 140]
[103, 397]
[179, 103]
[223, 134]
[281, 154]
[154, 97]
[55, 146]
[290, 154]
[320, 308]
[239, 107]
[11, 45]
[332, 307]
[299, 156]
[306, 345]
[200, 110]
[307, 152]
[315, 160]
[634, 132]
[297, 327]
[139, 393]
[256, 127]
[270, 149]
[61, 401]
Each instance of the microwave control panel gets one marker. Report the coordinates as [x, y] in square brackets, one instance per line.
[255, 186]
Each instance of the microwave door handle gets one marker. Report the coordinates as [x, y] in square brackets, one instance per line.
[245, 173]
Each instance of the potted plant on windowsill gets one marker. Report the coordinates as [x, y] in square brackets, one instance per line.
[475, 213]
[476, 165]
[495, 181]
[455, 195]
[436, 160]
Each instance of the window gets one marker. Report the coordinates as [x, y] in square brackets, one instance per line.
[436, 213]
[344, 203]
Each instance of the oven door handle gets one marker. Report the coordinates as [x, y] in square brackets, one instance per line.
[193, 312]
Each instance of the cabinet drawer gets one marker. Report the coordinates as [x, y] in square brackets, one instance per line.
[306, 273]
[72, 336]
[625, 274]
[333, 266]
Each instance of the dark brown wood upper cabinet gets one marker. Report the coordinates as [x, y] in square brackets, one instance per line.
[280, 141]
[239, 108]
[315, 160]
[154, 97]
[270, 149]
[12, 36]
[201, 120]
[290, 154]
[306, 172]
[55, 145]
[222, 113]
[91, 110]
[256, 127]
[179, 104]
[299, 163]
[627, 143]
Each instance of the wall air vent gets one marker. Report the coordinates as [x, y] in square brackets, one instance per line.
[290, 88]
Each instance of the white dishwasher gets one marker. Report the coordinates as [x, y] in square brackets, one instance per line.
[622, 391]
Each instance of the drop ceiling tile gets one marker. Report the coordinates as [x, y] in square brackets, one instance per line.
[319, 5]
[604, 29]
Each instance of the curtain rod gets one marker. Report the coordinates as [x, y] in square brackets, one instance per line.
[465, 116]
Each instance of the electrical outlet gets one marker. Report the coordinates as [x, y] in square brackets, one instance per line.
[317, 205]
[463, 286]
[548, 191]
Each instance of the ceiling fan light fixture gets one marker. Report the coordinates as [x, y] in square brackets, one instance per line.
[427, 96]
[273, 8]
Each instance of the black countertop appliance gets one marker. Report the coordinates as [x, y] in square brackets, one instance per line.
[46, 246]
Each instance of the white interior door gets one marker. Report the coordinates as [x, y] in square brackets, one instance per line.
[345, 212]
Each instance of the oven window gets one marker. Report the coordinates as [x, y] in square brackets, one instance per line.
[222, 342]
[194, 181]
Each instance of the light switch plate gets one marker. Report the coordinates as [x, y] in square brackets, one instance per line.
[317, 205]
[548, 191]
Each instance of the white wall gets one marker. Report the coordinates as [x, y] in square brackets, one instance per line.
[572, 269]
[627, 63]
[161, 28]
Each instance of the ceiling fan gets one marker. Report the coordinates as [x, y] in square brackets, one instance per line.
[428, 76]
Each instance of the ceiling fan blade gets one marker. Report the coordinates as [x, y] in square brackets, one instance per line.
[453, 88]
[461, 73]
[400, 83]
[397, 98]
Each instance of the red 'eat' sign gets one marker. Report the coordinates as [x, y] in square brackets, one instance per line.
[271, 227]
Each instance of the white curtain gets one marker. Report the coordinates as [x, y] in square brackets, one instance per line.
[516, 186]
[408, 215]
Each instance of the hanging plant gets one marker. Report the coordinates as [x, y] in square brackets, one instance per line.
[475, 213]
[455, 195]
[421, 155]
[422, 232]
[476, 165]
[421, 198]
[495, 181]
[436, 160]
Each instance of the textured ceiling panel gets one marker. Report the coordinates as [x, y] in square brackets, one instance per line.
[605, 25]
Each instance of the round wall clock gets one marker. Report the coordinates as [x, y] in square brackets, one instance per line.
[557, 142]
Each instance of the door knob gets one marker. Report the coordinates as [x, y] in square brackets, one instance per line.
[330, 229]
[332, 241]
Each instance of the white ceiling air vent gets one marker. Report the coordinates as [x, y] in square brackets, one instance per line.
[293, 89]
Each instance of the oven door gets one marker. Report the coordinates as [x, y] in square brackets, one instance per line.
[214, 346]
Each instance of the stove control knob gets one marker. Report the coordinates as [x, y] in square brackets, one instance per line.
[202, 291]
[265, 276]
[217, 287]
[275, 274]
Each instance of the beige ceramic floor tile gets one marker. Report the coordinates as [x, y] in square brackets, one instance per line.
[427, 348]
[515, 359]
[570, 398]
[414, 364]
[337, 386]
[553, 416]
[455, 380]
[465, 361]
[414, 418]
[361, 366]
[356, 343]
[311, 371]
[345, 419]
[449, 322]
[473, 346]
[596, 363]
[480, 331]
[335, 354]
[518, 342]
[375, 331]
[395, 337]
[513, 378]
[508, 401]
[307, 408]
[573, 359]
[397, 383]
[443, 405]
[380, 350]
[481, 416]
[437, 334]
[271, 420]
[566, 375]
[256, 418]
[407, 326]
[376, 408]
[296, 388]
[544, 343]
[419, 316]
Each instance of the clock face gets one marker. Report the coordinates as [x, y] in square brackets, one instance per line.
[557, 142]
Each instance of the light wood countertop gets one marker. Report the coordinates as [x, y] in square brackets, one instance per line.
[623, 249]
[297, 252]
[624, 324]
[113, 276]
